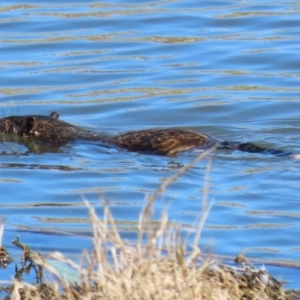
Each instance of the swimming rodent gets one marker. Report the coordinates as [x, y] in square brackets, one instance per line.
[170, 142]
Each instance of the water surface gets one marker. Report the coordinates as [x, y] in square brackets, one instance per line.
[229, 69]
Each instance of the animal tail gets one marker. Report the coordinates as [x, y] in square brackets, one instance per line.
[252, 148]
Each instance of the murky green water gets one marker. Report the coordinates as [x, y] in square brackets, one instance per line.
[229, 69]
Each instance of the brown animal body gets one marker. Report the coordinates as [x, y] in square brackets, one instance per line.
[170, 142]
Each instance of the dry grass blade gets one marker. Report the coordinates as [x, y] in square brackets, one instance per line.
[123, 273]
[157, 268]
[146, 215]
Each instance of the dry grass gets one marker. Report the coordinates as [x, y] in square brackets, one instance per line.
[156, 267]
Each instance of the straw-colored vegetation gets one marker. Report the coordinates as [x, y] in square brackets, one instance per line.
[157, 266]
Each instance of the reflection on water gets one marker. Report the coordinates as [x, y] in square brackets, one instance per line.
[229, 70]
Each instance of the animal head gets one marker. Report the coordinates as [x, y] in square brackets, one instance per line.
[47, 129]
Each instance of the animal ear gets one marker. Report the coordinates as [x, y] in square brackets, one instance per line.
[54, 115]
[30, 124]
[29, 127]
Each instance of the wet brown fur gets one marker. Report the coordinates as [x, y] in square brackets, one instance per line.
[161, 141]
[51, 130]
[48, 129]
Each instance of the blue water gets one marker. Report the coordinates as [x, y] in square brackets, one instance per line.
[229, 69]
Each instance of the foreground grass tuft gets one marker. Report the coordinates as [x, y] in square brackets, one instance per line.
[158, 266]
[161, 268]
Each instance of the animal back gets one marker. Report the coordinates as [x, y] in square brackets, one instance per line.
[161, 141]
